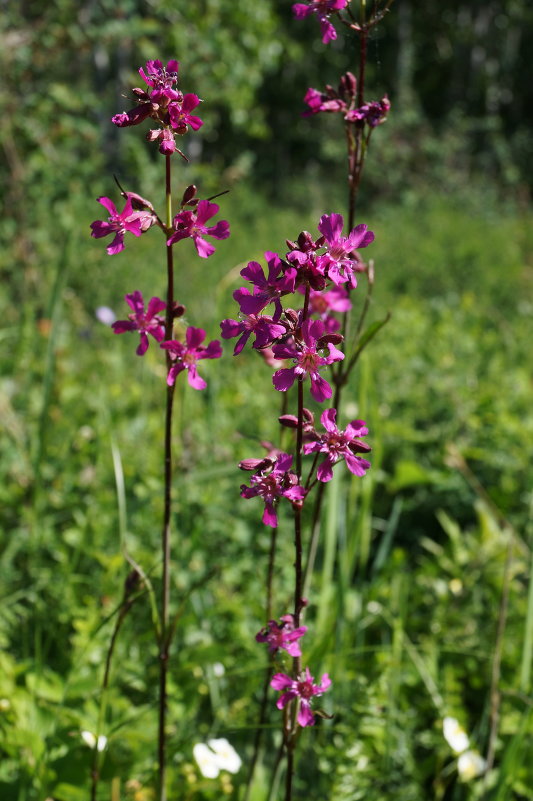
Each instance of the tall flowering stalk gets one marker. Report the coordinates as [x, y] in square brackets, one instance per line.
[170, 110]
[318, 356]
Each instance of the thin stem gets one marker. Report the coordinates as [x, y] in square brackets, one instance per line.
[164, 644]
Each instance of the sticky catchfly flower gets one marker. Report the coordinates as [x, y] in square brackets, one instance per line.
[185, 355]
[339, 445]
[146, 322]
[339, 261]
[282, 635]
[118, 223]
[304, 690]
[192, 224]
[278, 482]
[322, 8]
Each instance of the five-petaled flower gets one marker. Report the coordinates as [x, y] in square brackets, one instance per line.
[264, 328]
[146, 322]
[339, 445]
[302, 689]
[184, 356]
[322, 8]
[118, 223]
[267, 289]
[279, 482]
[339, 261]
[282, 635]
[192, 224]
[305, 354]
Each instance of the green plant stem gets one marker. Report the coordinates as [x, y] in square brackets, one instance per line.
[164, 644]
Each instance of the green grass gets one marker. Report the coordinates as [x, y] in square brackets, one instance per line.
[404, 601]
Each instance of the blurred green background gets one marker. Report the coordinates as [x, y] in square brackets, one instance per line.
[407, 596]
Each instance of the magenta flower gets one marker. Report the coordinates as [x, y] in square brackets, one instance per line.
[307, 361]
[322, 8]
[118, 224]
[193, 224]
[185, 355]
[264, 328]
[181, 117]
[322, 101]
[267, 289]
[282, 635]
[339, 260]
[280, 482]
[161, 80]
[146, 323]
[167, 140]
[373, 113]
[339, 445]
[304, 690]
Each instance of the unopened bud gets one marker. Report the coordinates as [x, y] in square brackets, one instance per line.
[178, 310]
[189, 194]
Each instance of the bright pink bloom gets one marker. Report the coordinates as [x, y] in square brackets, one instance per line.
[181, 117]
[148, 322]
[307, 361]
[161, 80]
[322, 101]
[339, 262]
[184, 356]
[193, 224]
[267, 289]
[373, 113]
[118, 224]
[167, 140]
[304, 689]
[282, 635]
[322, 8]
[280, 482]
[339, 445]
[264, 328]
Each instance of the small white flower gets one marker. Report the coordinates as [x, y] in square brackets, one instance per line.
[90, 739]
[469, 765]
[455, 735]
[207, 761]
[106, 315]
[219, 669]
[227, 757]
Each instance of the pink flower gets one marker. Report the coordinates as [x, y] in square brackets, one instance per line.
[373, 113]
[193, 224]
[118, 224]
[146, 323]
[322, 8]
[282, 635]
[264, 328]
[161, 80]
[339, 445]
[307, 360]
[339, 261]
[304, 690]
[167, 140]
[181, 117]
[322, 101]
[267, 289]
[185, 355]
[280, 482]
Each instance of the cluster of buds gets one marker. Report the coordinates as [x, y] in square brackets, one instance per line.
[343, 101]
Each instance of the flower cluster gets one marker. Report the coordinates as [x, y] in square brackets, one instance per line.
[165, 104]
[343, 100]
[323, 9]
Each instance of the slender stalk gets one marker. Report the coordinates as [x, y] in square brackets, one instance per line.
[164, 644]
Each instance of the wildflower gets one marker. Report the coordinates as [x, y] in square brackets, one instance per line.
[374, 113]
[303, 689]
[161, 80]
[227, 757]
[184, 356]
[181, 117]
[322, 303]
[470, 765]
[280, 482]
[146, 322]
[190, 223]
[322, 8]
[118, 224]
[339, 260]
[455, 735]
[267, 289]
[264, 328]
[340, 445]
[91, 740]
[331, 100]
[282, 635]
[167, 141]
[105, 315]
[307, 359]
[206, 760]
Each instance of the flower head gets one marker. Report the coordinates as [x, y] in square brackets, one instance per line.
[263, 327]
[118, 223]
[278, 482]
[322, 8]
[307, 360]
[181, 117]
[217, 755]
[282, 635]
[185, 355]
[146, 322]
[339, 261]
[339, 445]
[455, 735]
[267, 289]
[374, 113]
[470, 765]
[303, 689]
[192, 224]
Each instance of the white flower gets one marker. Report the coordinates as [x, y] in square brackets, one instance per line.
[106, 315]
[469, 765]
[227, 757]
[90, 739]
[455, 735]
[219, 669]
[207, 761]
